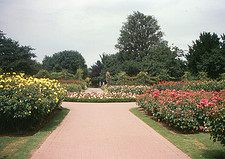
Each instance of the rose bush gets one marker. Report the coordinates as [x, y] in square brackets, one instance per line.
[27, 101]
[191, 85]
[187, 111]
[128, 89]
[218, 126]
[93, 95]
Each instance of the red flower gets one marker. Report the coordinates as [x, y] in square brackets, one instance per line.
[204, 102]
[156, 93]
[211, 104]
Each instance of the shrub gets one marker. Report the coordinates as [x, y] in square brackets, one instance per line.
[73, 87]
[187, 76]
[203, 76]
[164, 75]
[42, 74]
[222, 76]
[64, 74]
[79, 74]
[218, 126]
[141, 89]
[99, 100]
[191, 85]
[88, 81]
[187, 111]
[142, 78]
[27, 101]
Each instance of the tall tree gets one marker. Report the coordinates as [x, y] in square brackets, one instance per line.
[96, 69]
[138, 34]
[163, 57]
[207, 54]
[16, 58]
[95, 73]
[69, 60]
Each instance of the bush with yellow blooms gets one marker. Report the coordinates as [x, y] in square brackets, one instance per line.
[26, 102]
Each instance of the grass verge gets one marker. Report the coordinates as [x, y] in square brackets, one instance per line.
[21, 147]
[197, 146]
[98, 100]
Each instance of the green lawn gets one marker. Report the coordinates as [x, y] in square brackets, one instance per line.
[20, 147]
[197, 146]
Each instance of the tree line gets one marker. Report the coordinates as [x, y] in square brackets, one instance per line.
[141, 48]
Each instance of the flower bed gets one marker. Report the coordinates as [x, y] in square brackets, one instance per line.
[187, 111]
[218, 126]
[191, 85]
[128, 89]
[27, 101]
[100, 97]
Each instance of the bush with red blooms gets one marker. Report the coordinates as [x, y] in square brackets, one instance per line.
[187, 111]
[190, 85]
[218, 126]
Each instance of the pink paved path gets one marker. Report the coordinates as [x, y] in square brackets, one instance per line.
[105, 131]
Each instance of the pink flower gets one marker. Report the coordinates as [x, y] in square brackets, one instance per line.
[177, 102]
[156, 93]
[204, 101]
[211, 104]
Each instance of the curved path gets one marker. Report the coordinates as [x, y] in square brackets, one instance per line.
[105, 131]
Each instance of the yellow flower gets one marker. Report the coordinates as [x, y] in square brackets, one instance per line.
[56, 99]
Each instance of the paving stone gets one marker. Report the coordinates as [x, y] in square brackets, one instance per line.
[105, 131]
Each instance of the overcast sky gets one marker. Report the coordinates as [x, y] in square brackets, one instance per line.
[92, 26]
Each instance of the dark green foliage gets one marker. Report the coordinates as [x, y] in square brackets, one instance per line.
[103, 100]
[111, 63]
[207, 54]
[164, 59]
[79, 74]
[61, 75]
[16, 58]
[187, 76]
[138, 34]
[69, 60]
[71, 87]
[142, 78]
[218, 126]
[141, 48]
[161, 61]
[42, 74]
[95, 73]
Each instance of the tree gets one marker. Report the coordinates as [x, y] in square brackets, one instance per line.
[161, 58]
[110, 63]
[79, 74]
[138, 34]
[69, 60]
[207, 54]
[141, 48]
[157, 59]
[16, 58]
[96, 69]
